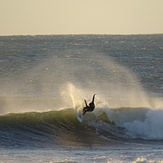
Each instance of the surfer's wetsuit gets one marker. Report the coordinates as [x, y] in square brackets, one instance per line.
[91, 106]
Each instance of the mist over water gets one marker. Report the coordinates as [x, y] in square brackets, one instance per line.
[122, 70]
[64, 74]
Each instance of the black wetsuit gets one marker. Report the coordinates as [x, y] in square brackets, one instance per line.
[91, 106]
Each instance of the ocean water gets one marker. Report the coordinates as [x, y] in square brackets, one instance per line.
[45, 79]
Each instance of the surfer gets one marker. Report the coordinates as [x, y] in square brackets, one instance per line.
[91, 106]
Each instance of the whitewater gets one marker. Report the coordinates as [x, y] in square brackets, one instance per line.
[45, 79]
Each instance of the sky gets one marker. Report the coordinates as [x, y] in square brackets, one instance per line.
[33, 17]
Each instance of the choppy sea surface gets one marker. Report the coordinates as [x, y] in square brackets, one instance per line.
[45, 79]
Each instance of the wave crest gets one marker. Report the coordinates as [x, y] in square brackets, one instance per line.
[62, 127]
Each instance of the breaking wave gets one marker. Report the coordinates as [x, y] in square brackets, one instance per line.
[38, 129]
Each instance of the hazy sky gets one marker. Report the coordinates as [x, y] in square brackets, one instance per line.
[80, 17]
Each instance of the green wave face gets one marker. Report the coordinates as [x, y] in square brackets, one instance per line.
[62, 128]
[47, 128]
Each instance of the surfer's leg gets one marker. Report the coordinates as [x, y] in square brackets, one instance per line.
[84, 111]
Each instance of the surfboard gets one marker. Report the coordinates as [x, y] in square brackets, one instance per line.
[80, 116]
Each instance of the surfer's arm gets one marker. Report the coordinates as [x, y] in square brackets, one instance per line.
[85, 102]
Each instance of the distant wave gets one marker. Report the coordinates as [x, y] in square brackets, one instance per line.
[62, 128]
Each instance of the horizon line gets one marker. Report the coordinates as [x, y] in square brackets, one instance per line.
[79, 34]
